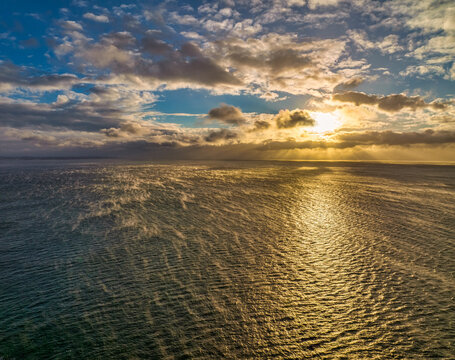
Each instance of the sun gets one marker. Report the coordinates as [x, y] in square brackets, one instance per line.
[325, 122]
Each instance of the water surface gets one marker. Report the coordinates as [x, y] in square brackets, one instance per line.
[226, 260]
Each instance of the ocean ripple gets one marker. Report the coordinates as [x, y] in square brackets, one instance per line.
[227, 260]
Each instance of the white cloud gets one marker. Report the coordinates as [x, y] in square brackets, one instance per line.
[216, 26]
[192, 35]
[388, 45]
[183, 19]
[97, 18]
[314, 4]
[424, 71]
[70, 25]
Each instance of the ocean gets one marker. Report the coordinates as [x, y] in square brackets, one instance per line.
[236, 260]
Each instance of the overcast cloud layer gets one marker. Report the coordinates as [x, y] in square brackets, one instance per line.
[277, 79]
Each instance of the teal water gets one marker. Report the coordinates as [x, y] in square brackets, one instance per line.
[232, 260]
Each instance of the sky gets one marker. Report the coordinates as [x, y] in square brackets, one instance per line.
[228, 79]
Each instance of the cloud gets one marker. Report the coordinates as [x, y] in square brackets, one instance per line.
[295, 51]
[41, 140]
[69, 115]
[357, 98]
[227, 114]
[104, 108]
[260, 125]
[180, 68]
[349, 84]
[424, 71]
[183, 19]
[192, 69]
[103, 55]
[367, 138]
[429, 15]
[288, 119]
[219, 26]
[13, 76]
[220, 144]
[272, 96]
[313, 4]
[389, 103]
[431, 20]
[192, 35]
[441, 46]
[387, 45]
[220, 135]
[121, 39]
[428, 137]
[126, 129]
[443, 119]
[97, 18]
[154, 46]
[53, 81]
[282, 60]
[452, 72]
[70, 25]
[245, 28]
[275, 62]
[271, 62]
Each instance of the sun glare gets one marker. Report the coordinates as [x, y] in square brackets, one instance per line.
[325, 122]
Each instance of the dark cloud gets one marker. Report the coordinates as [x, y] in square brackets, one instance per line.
[390, 103]
[227, 114]
[275, 61]
[53, 81]
[125, 129]
[9, 74]
[191, 50]
[155, 46]
[368, 138]
[40, 140]
[357, 98]
[220, 135]
[288, 119]
[83, 116]
[285, 59]
[189, 67]
[260, 125]
[16, 76]
[100, 90]
[121, 40]
[429, 137]
[396, 102]
[349, 84]
[163, 62]
[216, 147]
